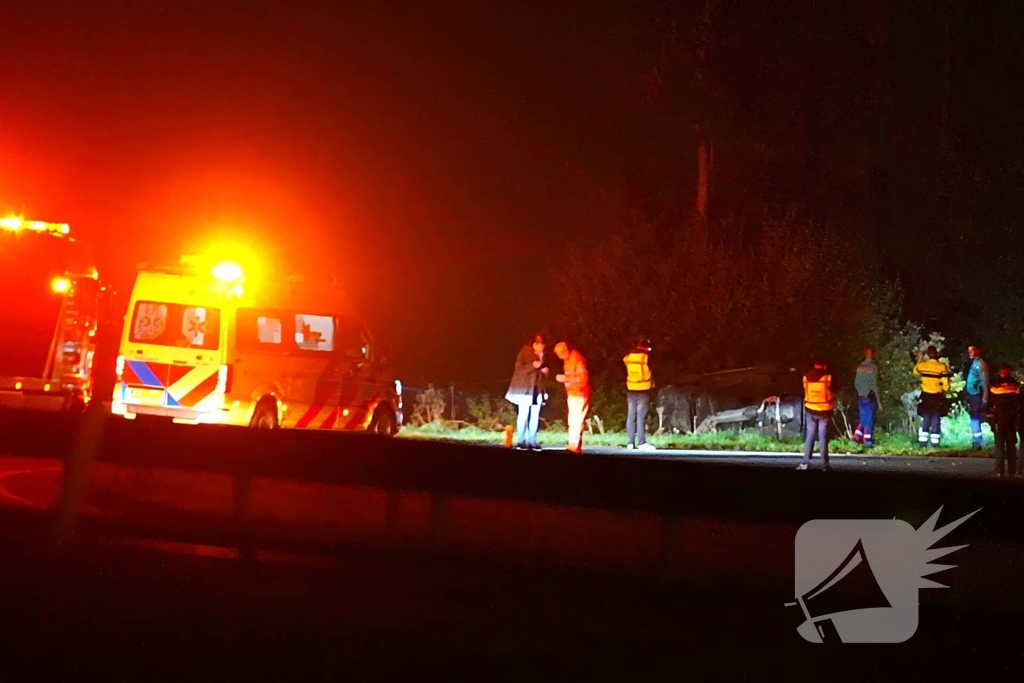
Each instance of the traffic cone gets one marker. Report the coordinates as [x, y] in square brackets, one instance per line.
[509, 431]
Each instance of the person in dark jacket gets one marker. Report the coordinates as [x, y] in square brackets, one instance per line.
[526, 391]
[1004, 397]
[1020, 428]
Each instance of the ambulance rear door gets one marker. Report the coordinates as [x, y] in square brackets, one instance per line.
[173, 342]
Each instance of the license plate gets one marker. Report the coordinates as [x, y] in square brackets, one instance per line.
[150, 396]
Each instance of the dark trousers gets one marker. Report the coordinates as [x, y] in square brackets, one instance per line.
[817, 430]
[637, 403]
[931, 428]
[1006, 449]
[974, 407]
[1020, 453]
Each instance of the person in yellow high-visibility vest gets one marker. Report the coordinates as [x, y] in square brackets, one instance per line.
[639, 383]
[819, 405]
[933, 405]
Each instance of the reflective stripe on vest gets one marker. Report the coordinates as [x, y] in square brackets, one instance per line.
[934, 376]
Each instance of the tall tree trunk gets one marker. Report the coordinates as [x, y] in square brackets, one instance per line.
[703, 171]
[945, 83]
[705, 151]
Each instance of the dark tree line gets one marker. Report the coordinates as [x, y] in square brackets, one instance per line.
[826, 175]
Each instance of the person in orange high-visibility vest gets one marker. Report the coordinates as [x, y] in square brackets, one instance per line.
[819, 405]
[576, 380]
[1004, 399]
[639, 383]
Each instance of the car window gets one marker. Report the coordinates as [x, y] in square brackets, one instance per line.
[263, 330]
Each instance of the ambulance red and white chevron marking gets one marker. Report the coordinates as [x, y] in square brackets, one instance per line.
[346, 404]
[192, 387]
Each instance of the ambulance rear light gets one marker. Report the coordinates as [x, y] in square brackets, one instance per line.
[119, 367]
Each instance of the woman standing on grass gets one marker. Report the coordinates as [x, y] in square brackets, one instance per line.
[639, 383]
[526, 391]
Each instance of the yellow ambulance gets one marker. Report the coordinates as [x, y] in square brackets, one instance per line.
[204, 344]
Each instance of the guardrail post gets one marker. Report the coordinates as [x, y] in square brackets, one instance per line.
[243, 489]
[76, 474]
[438, 519]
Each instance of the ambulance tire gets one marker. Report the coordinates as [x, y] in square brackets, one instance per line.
[265, 416]
[75, 403]
[383, 422]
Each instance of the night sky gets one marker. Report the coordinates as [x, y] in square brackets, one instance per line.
[443, 158]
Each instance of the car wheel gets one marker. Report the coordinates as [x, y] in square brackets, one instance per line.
[265, 416]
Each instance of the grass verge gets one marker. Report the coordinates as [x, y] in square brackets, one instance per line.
[750, 440]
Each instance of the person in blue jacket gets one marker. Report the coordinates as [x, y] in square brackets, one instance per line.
[977, 392]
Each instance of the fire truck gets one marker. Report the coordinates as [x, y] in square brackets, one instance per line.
[50, 304]
[205, 342]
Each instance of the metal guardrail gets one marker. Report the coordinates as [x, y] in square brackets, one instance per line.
[670, 490]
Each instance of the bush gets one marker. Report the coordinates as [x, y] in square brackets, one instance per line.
[490, 414]
[609, 406]
[554, 425]
[730, 304]
[429, 407]
[956, 428]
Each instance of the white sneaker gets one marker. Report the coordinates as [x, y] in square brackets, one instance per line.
[646, 447]
[629, 447]
[801, 467]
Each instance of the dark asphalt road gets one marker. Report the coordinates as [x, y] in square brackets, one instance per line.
[35, 482]
[921, 465]
[606, 613]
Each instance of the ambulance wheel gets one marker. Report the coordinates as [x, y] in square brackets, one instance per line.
[383, 422]
[75, 402]
[265, 416]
